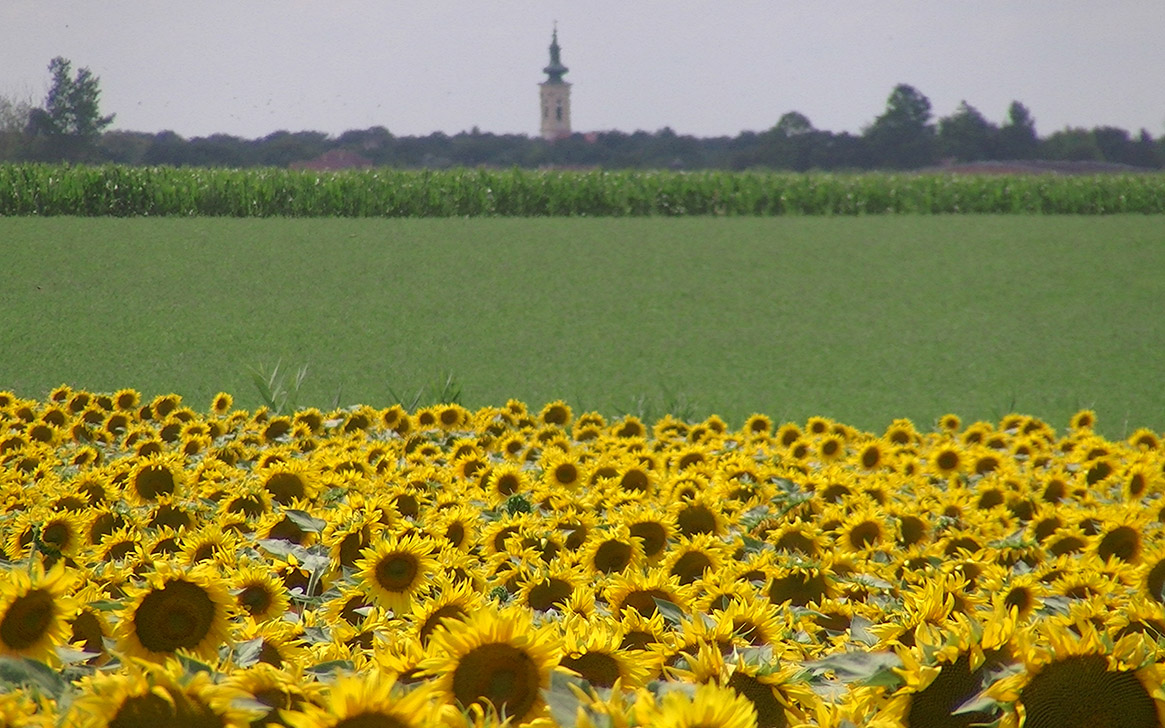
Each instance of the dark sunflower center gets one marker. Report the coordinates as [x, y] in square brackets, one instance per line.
[455, 534]
[153, 481]
[953, 687]
[397, 572]
[634, 480]
[696, 519]
[449, 611]
[87, 632]
[566, 474]
[372, 720]
[654, 536]
[57, 535]
[27, 619]
[643, 601]
[769, 711]
[798, 588]
[508, 484]
[947, 460]
[500, 675]
[144, 711]
[152, 710]
[255, 598]
[285, 487]
[1122, 542]
[597, 668]
[866, 533]
[691, 566]
[178, 615]
[545, 595]
[1081, 691]
[612, 556]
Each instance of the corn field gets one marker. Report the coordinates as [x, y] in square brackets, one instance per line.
[37, 189]
[166, 565]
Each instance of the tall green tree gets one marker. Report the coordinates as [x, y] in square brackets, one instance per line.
[966, 135]
[903, 136]
[71, 120]
[1017, 138]
[14, 115]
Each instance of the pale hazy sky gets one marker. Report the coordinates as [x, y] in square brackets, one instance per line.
[251, 67]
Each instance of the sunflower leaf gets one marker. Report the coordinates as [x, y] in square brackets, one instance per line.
[193, 666]
[247, 653]
[105, 605]
[669, 610]
[977, 704]
[72, 656]
[859, 667]
[331, 666]
[23, 671]
[305, 521]
[563, 702]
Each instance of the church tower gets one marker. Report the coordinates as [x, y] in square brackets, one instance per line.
[555, 95]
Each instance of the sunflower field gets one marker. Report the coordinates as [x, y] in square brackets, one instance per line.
[175, 566]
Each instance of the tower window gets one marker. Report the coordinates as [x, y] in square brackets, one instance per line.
[558, 112]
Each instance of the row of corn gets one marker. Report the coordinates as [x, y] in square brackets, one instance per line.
[113, 190]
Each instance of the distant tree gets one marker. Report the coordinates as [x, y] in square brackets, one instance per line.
[124, 147]
[1017, 138]
[793, 123]
[14, 116]
[1144, 151]
[70, 122]
[167, 148]
[374, 143]
[902, 137]
[281, 148]
[790, 144]
[966, 135]
[1115, 144]
[1072, 144]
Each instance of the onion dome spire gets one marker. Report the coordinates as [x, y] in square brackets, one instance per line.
[555, 70]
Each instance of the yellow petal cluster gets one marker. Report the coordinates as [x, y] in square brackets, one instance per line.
[218, 566]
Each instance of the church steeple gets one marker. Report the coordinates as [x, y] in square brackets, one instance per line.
[555, 70]
[555, 95]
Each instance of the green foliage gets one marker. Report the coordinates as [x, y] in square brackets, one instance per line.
[278, 387]
[72, 106]
[443, 390]
[857, 318]
[113, 190]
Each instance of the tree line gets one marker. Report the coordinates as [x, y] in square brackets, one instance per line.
[906, 135]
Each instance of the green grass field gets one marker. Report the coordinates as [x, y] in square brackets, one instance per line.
[863, 319]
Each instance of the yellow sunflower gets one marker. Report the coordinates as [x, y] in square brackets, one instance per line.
[705, 706]
[176, 609]
[396, 569]
[551, 589]
[690, 558]
[774, 692]
[613, 551]
[156, 476]
[593, 649]
[946, 669]
[496, 663]
[35, 611]
[639, 591]
[367, 701]
[141, 695]
[259, 592]
[279, 690]
[1073, 677]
